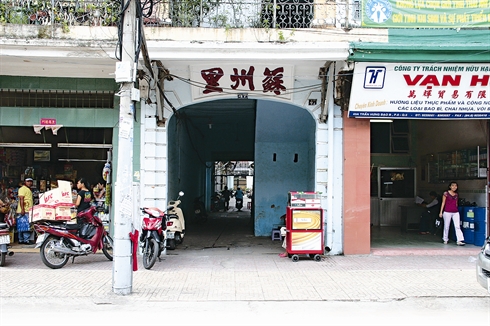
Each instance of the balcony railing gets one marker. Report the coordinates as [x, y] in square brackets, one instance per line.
[60, 12]
[295, 14]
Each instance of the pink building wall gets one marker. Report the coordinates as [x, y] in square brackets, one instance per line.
[357, 210]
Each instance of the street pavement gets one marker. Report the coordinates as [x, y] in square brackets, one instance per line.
[225, 276]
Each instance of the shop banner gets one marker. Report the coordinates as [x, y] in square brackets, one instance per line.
[242, 80]
[420, 91]
[426, 13]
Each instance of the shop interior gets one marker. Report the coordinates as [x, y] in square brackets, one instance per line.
[411, 158]
[66, 154]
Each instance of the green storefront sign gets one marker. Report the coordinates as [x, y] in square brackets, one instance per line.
[426, 13]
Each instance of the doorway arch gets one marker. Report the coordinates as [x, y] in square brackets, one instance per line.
[278, 137]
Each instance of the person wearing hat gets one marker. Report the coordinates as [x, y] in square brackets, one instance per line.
[24, 204]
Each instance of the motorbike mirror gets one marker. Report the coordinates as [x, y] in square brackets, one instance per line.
[181, 193]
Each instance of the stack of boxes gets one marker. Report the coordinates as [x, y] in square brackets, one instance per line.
[54, 205]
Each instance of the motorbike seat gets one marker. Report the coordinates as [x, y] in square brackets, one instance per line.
[72, 226]
[170, 216]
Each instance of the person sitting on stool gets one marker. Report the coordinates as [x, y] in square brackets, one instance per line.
[428, 218]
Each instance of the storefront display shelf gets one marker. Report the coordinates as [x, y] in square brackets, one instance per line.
[463, 164]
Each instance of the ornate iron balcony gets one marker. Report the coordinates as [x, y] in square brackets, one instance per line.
[294, 14]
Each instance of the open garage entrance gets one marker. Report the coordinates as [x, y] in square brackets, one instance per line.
[279, 138]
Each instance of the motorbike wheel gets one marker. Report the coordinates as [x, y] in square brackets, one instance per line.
[108, 247]
[2, 261]
[150, 253]
[171, 244]
[51, 258]
[178, 238]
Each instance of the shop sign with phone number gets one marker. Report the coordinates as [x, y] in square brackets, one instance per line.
[420, 91]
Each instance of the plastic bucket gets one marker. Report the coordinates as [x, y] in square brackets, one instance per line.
[480, 213]
[468, 225]
[480, 226]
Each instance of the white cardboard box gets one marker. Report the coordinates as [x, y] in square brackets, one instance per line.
[42, 212]
[62, 194]
[63, 213]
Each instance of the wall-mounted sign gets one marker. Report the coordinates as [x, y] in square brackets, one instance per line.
[257, 80]
[42, 156]
[47, 121]
[420, 91]
[422, 13]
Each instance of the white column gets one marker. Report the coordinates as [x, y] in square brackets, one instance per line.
[122, 270]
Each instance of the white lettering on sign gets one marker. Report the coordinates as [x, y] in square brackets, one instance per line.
[302, 220]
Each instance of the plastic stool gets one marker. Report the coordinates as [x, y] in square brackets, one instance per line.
[276, 235]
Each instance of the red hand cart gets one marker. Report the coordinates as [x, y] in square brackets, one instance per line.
[304, 226]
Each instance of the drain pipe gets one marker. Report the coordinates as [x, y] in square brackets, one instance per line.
[330, 160]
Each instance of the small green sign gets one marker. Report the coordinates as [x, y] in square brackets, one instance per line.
[426, 13]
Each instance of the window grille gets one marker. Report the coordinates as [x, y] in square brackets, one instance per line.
[391, 138]
[57, 99]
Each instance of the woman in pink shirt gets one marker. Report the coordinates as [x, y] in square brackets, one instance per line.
[449, 210]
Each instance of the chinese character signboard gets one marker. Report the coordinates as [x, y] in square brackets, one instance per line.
[426, 13]
[420, 91]
[237, 79]
[47, 121]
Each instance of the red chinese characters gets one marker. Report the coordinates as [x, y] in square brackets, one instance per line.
[211, 77]
[430, 81]
[243, 78]
[273, 80]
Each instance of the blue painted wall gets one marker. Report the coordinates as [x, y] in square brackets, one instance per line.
[186, 167]
[283, 132]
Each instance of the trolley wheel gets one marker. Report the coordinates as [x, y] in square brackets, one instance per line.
[295, 258]
[317, 257]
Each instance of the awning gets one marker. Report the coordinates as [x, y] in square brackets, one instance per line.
[428, 45]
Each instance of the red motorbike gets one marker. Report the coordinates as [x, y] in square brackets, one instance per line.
[152, 238]
[59, 240]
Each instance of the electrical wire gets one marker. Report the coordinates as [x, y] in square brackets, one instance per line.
[120, 24]
[227, 90]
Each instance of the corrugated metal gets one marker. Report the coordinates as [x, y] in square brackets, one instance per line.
[375, 211]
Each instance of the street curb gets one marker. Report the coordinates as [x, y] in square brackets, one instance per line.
[426, 252]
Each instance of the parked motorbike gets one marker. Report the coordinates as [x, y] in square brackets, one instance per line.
[59, 240]
[152, 238]
[217, 202]
[4, 243]
[239, 204]
[175, 223]
[200, 214]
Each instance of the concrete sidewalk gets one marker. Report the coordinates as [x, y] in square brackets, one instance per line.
[245, 282]
[221, 260]
[254, 273]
